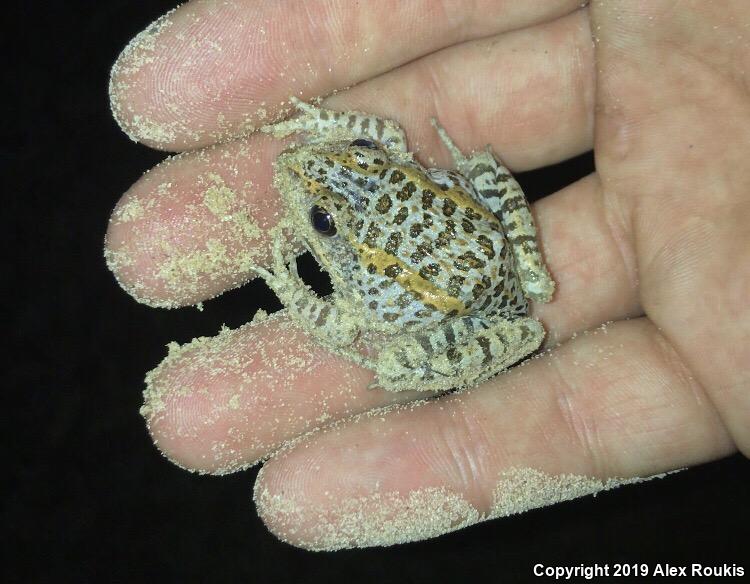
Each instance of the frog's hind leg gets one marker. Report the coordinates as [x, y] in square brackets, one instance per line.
[461, 352]
[324, 125]
[504, 197]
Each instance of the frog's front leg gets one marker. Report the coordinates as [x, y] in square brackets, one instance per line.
[464, 351]
[504, 197]
[324, 125]
[318, 316]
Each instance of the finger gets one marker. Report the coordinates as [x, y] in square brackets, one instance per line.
[195, 225]
[691, 217]
[210, 70]
[528, 93]
[221, 404]
[613, 404]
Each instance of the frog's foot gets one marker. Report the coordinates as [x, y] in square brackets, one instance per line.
[461, 353]
[320, 125]
[305, 122]
[504, 197]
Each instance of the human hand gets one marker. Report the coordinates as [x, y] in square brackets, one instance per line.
[650, 252]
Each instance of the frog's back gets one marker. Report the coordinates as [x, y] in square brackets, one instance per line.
[430, 250]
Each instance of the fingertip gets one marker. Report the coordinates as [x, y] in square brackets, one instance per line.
[200, 74]
[194, 226]
[133, 101]
[183, 407]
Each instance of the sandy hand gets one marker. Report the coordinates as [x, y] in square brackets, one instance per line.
[650, 253]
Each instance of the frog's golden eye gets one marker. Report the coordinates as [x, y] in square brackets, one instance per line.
[364, 143]
[322, 221]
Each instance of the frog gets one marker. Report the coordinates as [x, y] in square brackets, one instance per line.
[432, 269]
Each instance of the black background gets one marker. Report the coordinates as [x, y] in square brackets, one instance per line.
[90, 498]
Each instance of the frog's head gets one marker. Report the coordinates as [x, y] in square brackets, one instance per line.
[349, 170]
[329, 189]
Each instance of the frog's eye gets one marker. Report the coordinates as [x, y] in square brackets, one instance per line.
[364, 143]
[322, 221]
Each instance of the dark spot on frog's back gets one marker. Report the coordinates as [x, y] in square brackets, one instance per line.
[423, 250]
[406, 192]
[401, 216]
[485, 243]
[404, 300]
[393, 270]
[468, 261]
[454, 285]
[429, 271]
[384, 204]
[445, 237]
[373, 232]
[427, 198]
[449, 207]
[393, 243]
[396, 177]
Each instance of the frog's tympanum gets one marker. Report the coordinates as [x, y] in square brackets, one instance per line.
[431, 269]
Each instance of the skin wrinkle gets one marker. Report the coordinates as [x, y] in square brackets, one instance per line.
[671, 357]
[615, 218]
[576, 425]
[467, 446]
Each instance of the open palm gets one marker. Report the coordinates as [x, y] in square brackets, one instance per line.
[651, 253]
